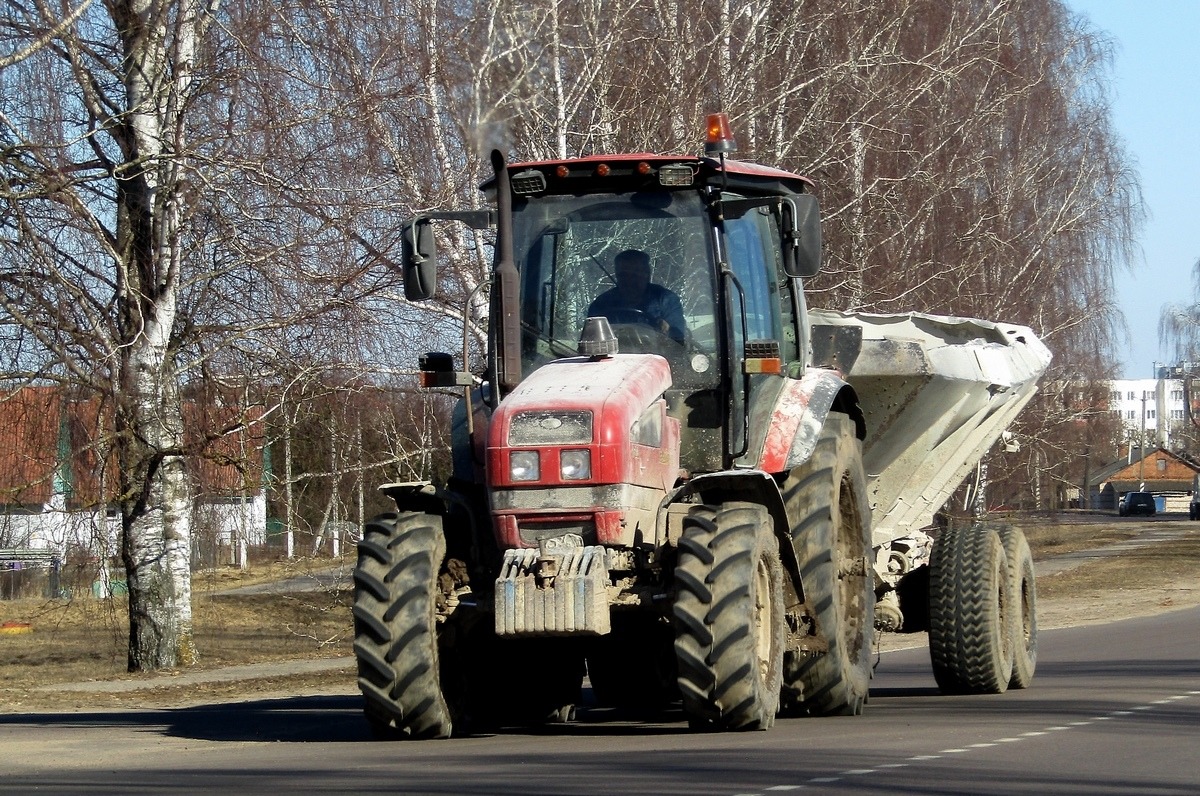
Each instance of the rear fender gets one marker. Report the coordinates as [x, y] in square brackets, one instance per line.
[788, 428]
[420, 496]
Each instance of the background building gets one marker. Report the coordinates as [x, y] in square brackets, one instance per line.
[1154, 411]
[58, 486]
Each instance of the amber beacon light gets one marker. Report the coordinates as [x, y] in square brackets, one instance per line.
[718, 137]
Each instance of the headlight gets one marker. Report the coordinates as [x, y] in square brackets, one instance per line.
[524, 466]
[575, 465]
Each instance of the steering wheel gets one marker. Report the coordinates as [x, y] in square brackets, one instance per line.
[629, 315]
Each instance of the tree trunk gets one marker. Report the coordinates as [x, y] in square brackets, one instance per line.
[159, 43]
[156, 514]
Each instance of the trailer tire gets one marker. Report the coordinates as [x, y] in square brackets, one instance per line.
[1022, 591]
[396, 637]
[728, 612]
[826, 501]
[970, 631]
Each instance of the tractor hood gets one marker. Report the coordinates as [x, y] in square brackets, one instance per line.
[603, 404]
[583, 447]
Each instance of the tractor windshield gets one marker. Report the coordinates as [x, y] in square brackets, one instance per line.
[643, 260]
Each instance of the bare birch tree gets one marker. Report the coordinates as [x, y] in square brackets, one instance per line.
[1179, 323]
[98, 186]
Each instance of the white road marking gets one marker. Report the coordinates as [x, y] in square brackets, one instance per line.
[984, 745]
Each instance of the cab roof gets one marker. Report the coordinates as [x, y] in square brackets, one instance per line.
[623, 167]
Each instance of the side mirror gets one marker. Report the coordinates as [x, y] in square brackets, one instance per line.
[420, 260]
[802, 236]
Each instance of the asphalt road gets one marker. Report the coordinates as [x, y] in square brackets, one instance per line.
[1114, 709]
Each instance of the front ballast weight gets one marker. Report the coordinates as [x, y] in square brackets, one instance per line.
[561, 588]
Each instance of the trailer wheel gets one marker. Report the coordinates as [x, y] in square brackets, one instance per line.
[729, 626]
[970, 630]
[396, 639]
[1022, 592]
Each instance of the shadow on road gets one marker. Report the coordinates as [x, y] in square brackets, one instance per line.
[326, 719]
[322, 719]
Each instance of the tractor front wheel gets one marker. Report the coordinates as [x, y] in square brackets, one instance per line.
[395, 629]
[729, 625]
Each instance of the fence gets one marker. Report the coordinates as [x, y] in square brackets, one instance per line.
[25, 571]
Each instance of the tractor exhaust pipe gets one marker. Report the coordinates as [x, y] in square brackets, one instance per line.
[506, 320]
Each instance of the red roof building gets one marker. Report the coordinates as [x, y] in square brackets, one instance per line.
[56, 459]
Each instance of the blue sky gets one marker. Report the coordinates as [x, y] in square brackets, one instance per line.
[1156, 111]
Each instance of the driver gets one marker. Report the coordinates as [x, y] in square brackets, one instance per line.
[635, 299]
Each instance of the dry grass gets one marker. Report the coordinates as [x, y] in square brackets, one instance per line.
[1055, 536]
[1159, 566]
[85, 639]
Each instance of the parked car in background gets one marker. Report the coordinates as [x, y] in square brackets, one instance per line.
[1137, 503]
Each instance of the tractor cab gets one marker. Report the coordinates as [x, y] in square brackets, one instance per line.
[693, 259]
[696, 260]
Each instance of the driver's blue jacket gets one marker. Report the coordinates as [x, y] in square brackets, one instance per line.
[658, 304]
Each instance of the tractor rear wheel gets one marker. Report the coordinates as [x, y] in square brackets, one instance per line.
[826, 500]
[395, 630]
[729, 626]
[1022, 592]
[970, 632]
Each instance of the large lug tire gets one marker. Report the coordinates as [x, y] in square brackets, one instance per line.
[1022, 593]
[970, 630]
[826, 500]
[729, 626]
[395, 627]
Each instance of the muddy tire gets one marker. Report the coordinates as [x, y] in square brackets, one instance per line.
[970, 630]
[728, 616]
[1022, 592]
[395, 631]
[826, 500]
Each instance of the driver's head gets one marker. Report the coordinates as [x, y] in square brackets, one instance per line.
[633, 271]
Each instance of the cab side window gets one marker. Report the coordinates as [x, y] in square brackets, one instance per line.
[752, 243]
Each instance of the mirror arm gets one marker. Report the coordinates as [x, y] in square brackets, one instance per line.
[475, 219]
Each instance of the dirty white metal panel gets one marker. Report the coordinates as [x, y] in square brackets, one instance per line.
[937, 393]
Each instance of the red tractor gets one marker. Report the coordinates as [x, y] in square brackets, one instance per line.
[659, 480]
